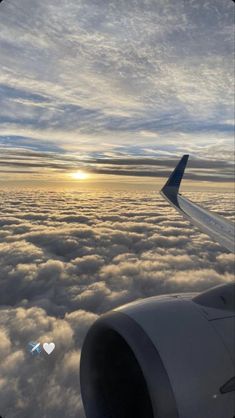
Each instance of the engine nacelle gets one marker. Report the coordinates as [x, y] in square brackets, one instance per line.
[163, 357]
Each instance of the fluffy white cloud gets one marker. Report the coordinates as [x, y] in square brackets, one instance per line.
[68, 257]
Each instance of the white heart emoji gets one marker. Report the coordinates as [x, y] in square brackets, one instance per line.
[48, 348]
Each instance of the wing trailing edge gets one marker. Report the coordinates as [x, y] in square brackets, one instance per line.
[220, 229]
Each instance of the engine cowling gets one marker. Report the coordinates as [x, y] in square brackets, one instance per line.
[163, 357]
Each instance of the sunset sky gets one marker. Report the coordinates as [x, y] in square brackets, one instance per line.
[111, 87]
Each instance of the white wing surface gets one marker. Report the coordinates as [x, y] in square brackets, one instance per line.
[220, 229]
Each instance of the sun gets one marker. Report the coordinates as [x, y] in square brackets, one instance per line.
[79, 175]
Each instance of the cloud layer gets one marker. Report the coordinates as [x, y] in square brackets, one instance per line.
[65, 258]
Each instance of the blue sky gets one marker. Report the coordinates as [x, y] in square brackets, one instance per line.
[108, 79]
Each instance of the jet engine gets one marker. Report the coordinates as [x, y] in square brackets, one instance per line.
[163, 357]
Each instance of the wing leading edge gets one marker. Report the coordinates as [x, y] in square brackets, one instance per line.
[220, 229]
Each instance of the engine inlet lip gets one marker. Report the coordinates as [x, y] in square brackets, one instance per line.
[159, 386]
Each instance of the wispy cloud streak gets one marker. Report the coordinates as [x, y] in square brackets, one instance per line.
[140, 77]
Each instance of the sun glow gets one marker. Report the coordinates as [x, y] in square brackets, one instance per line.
[79, 175]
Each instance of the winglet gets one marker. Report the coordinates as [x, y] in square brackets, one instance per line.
[173, 183]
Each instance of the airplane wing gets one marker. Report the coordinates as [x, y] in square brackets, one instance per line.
[220, 229]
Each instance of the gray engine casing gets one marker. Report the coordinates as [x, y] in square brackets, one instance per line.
[162, 357]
